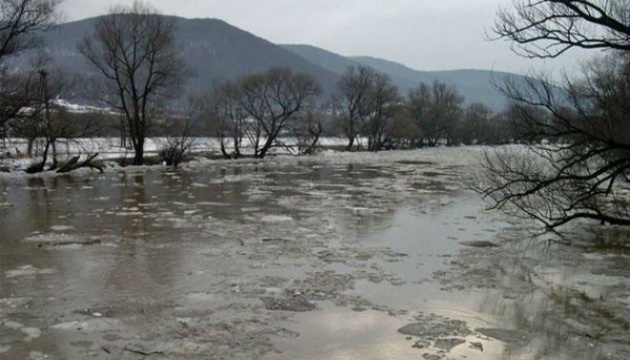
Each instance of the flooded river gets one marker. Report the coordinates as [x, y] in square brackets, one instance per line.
[345, 256]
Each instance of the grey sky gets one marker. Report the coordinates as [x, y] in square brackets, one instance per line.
[423, 34]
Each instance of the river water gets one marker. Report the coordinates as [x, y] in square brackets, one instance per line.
[354, 256]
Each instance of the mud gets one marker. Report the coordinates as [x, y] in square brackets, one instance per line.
[354, 256]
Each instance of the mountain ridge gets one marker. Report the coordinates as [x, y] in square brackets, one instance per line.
[476, 85]
[216, 51]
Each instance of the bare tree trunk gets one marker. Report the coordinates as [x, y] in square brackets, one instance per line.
[223, 150]
[350, 143]
[29, 147]
[311, 147]
[39, 167]
[138, 157]
[237, 147]
[74, 164]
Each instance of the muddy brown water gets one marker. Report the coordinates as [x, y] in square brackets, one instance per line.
[294, 260]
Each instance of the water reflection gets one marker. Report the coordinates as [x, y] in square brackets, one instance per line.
[567, 310]
[140, 246]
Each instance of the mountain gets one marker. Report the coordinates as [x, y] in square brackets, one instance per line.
[214, 50]
[217, 51]
[474, 85]
[328, 60]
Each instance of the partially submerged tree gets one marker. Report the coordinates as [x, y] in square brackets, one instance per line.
[436, 111]
[307, 131]
[352, 90]
[39, 88]
[475, 124]
[273, 101]
[581, 167]
[365, 105]
[45, 123]
[181, 130]
[133, 48]
[228, 119]
[378, 110]
[480, 126]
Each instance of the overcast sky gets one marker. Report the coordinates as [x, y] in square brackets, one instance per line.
[422, 34]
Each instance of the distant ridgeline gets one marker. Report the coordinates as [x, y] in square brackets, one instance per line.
[217, 51]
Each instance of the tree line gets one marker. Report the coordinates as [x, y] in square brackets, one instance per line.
[139, 74]
[577, 130]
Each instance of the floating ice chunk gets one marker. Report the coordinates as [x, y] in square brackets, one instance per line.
[31, 333]
[98, 324]
[36, 355]
[60, 228]
[27, 270]
[276, 219]
[200, 297]
[210, 203]
[273, 291]
[12, 325]
[130, 213]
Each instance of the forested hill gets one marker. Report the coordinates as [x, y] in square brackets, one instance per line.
[214, 50]
[217, 51]
[474, 85]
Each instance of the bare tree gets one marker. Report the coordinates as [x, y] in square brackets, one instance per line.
[436, 110]
[21, 21]
[307, 131]
[134, 50]
[475, 124]
[17, 92]
[227, 119]
[273, 100]
[377, 111]
[37, 89]
[548, 28]
[479, 125]
[405, 131]
[45, 123]
[181, 131]
[352, 90]
[579, 164]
